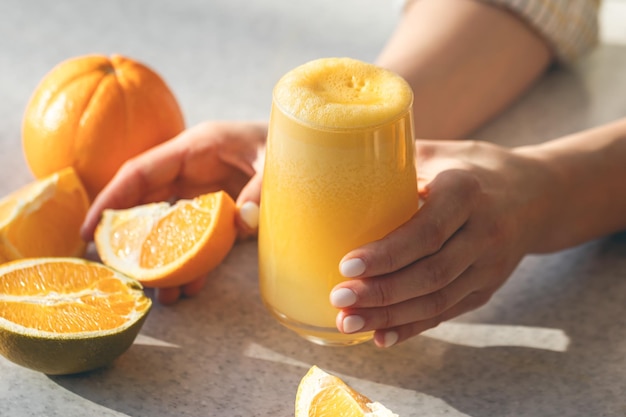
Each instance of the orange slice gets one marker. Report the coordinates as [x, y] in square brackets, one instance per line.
[67, 315]
[163, 245]
[43, 218]
[323, 395]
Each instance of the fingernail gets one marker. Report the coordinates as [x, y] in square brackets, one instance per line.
[353, 324]
[342, 297]
[249, 213]
[390, 339]
[352, 267]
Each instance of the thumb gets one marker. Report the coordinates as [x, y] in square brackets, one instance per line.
[248, 206]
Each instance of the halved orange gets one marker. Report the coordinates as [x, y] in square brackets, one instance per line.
[67, 315]
[43, 218]
[163, 245]
[321, 394]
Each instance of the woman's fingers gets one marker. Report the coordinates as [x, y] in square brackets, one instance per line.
[168, 296]
[208, 157]
[388, 337]
[470, 234]
[433, 289]
[413, 316]
[252, 190]
[171, 295]
[428, 276]
[420, 270]
[413, 309]
[248, 203]
[149, 173]
[449, 204]
[194, 287]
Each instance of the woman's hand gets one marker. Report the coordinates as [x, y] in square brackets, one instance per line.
[208, 157]
[484, 208]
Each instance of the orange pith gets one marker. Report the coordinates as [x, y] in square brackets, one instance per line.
[93, 113]
[62, 297]
[162, 245]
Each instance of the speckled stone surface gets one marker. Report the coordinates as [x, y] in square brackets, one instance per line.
[552, 342]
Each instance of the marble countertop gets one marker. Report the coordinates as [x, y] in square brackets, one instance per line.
[552, 342]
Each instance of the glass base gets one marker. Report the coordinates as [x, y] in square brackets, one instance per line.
[325, 336]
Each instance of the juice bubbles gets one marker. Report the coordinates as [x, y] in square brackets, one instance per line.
[339, 173]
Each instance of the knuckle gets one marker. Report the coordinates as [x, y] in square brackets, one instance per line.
[417, 327]
[480, 298]
[128, 166]
[388, 258]
[434, 276]
[387, 319]
[387, 255]
[434, 236]
[436, 304]
[374, 292]
[471, 190]
[379, 291]
[498, 231]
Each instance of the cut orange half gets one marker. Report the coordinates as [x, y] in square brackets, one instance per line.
[163, 245]
[43, 218]
[67, 315]
[321, 394]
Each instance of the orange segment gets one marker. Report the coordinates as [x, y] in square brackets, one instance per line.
[66, 315]
[164, 245]
[43, 218]
[188, 221]
[323, 395]
[338, 400]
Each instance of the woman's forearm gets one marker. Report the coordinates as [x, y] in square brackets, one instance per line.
[590, 198]
[465, 60]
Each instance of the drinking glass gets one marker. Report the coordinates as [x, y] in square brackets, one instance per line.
[339, 172]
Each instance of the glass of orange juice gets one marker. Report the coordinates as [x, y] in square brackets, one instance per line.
[339, 173]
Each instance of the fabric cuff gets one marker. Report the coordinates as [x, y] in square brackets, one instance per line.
[569, 26]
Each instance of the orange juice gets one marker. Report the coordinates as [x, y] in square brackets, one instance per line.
[339, 173]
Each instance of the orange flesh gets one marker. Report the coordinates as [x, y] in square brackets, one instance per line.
[163, 245]
[65, 298]
[187, 223]
[338, 400]
[43, 218]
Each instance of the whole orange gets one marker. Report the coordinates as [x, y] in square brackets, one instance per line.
[93, 113]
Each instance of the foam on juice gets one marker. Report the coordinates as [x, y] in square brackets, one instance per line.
[342, 93]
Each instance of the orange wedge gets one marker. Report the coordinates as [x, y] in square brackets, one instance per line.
[67, 315]
[43, 218]
[163, 245]
[323, 395]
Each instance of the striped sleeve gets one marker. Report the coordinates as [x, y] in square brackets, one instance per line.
[570, 26]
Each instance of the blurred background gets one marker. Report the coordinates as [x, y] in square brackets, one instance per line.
[221, 57]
